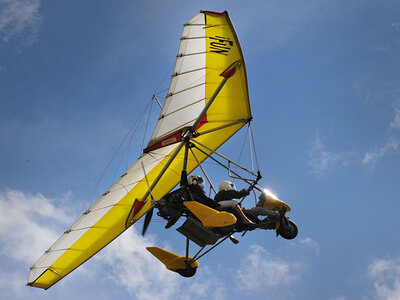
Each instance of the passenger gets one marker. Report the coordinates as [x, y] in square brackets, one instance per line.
[225, 196]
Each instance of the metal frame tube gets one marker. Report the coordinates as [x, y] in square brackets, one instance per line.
[224, 157]
[204, 171]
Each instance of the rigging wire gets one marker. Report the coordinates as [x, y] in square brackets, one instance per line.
[147, 123]
[241, 153]
[164, 78]
[131, 132]
[251, 149]
[128, 146]
[254, 146]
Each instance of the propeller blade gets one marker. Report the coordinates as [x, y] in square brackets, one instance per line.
[147, 220]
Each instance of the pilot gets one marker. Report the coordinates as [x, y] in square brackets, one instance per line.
[225, 196]
[196, 187]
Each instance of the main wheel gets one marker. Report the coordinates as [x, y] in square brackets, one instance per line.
[289, 230]
[189, 272]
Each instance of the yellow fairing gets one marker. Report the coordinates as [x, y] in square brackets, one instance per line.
[271, 203]
[171, 260]
[229, 112]
[210, 217]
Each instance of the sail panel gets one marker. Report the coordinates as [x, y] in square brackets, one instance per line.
[191, 57]
[175, 119]
[184, 82]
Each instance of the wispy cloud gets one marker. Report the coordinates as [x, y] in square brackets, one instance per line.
[385, 275]
[379, 152]
[24, 224]
[396, 122]
[322, 161]
[133, 268]
[20, 18]
[391, 145]
[255, 270]
[132, 265]
[310, 243]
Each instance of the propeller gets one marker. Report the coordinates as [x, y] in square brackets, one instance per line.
[149, 214]
[147, 220]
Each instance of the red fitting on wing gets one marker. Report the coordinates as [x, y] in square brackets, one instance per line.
[215, 12]
[229, 73]
[137, 206]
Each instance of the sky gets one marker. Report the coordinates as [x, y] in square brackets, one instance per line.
[324, 85]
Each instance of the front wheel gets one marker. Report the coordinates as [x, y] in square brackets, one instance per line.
[289, 230]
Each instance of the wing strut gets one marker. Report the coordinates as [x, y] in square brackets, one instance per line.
[204, 171]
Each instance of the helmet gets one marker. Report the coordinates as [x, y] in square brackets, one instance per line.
[226, 186]
[196, 180]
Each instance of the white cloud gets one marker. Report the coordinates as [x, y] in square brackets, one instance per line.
[132, 267]
[389, 148]
[310, 243]
[11, 283]
[20, 18]
[396, 122]
[322, 161]
[385, 275]
[259, 270]
[378, 153]
[24, 224]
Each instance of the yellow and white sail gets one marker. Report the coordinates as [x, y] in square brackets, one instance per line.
[208, 48]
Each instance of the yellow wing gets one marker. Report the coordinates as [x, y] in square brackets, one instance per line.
[208, 47]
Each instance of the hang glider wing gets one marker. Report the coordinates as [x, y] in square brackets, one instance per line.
[209, 52]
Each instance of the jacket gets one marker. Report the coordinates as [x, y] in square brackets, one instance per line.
[229, 195]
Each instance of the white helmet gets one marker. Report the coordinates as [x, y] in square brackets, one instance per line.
[196, 180]
[226, 186]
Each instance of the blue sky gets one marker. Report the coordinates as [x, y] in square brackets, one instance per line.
[324, 83]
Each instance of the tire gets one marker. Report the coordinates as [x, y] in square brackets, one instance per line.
[289, 230]
[189, 272]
